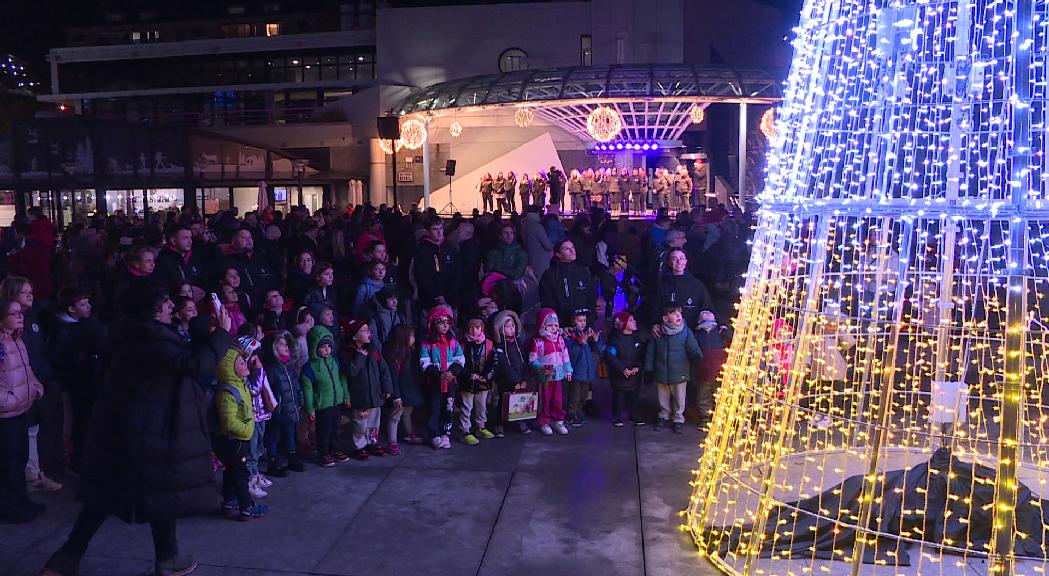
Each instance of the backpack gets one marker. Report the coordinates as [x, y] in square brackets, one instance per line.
[213, 412]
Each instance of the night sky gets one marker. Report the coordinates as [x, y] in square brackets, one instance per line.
[29, 28]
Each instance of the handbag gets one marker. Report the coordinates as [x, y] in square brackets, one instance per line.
[520, 406]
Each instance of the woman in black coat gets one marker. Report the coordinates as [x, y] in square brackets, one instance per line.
[567, 287]
[148, 448]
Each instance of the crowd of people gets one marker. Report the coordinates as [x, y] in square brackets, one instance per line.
[145, 356]
[620, 191]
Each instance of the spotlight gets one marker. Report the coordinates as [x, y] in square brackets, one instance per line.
[645, 147]
[619, 146]
[655, 146]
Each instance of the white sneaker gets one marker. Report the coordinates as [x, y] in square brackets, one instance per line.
[561, 428]
[263, 481]
[42, 484]
[437, 442]
[546, 431]
[256, 491]
[446, 442]
[822, 422]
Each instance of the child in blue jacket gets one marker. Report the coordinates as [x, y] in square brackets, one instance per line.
[584, 348]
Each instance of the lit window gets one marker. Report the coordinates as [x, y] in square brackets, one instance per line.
[512, 60]
[136, 36]
[586, 50]
[272, 29]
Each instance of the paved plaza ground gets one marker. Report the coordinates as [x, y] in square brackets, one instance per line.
[600, 501]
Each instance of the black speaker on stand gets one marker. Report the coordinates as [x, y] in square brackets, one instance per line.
[449, 171]
[390, 129]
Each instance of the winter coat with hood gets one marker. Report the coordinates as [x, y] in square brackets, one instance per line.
[77, 349]
[509, 357]
[440, 353]
[381, 320]
[323, 383]
[19, 387]
[537, 243]
[405, 378]
[236, 413]
[148, 449]
[509, 260]
[549, 350]
[283, 377]
[567, 288]
[366, 292]
[669, 358]
[368, 376]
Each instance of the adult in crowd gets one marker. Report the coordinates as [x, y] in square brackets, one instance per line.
[567, 287]
[257, 274]
[300, 276]
[556, 181]
[435, 270]
[176, 264]
[148, 449]
[537, 242]
[507, 257]
[32, 256]
[678, 287]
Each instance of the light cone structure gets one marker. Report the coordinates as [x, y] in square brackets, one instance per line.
[884, 408]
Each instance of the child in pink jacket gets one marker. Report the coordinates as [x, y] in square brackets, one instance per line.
[549, 358]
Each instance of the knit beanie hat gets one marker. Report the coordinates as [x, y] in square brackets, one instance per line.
[353, 326]
[247, 346]
[437, 313]
[547, 316]
[622, 319]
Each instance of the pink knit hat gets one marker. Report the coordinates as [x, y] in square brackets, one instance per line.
[547, 316]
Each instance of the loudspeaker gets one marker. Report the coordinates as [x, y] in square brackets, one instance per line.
[449, 168]
[389, 127]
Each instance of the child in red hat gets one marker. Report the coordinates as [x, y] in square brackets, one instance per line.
[441, 359]
[624, 355]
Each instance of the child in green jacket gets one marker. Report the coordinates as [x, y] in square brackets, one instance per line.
[668, 359]
[235, 427]
[324, 391]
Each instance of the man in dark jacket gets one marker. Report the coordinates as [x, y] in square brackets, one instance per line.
[507, 258]
[177, 264]
[435, 269]
[567, 287]
[256, 273]
[148, 450]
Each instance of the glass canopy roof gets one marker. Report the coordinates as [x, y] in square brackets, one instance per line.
[652, 81]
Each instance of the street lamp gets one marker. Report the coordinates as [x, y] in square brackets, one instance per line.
[300, 171]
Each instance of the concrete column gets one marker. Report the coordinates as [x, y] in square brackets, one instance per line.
[377, 192]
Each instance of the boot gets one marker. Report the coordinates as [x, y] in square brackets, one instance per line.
[276, 469]
[176, 566]
[61, 564]
[294, 464]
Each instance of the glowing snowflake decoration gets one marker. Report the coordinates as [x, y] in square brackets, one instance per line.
[697, 114]
[456, 129]
[604, 124]
[413, 132]
[524, 117]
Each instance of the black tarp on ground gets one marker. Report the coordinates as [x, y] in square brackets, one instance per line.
[915, 504]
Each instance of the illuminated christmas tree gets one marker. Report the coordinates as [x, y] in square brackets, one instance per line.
[885, 400]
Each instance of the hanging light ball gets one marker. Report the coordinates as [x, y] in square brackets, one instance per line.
[524, 117]
[697, 114]
[768, 123]
[456, 129]
[389, 145]
[413, 132]
[603, 124]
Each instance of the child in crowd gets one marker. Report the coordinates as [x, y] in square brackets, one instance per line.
[324, 390]
[384, 315]
[625, 355]
[278, 359]
[669, 359]
[323, 292]
[234, 430]
[370, 286]
[441, 360]
[325, 316]
[185, 312]
[407, 394]
[304, 322]
[370, 387]
[263, 404]
[475, 382]
[549, 358]
[583, 349]
[510, 362]
[712, 338]
[231, 302]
